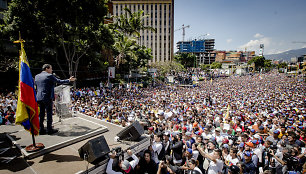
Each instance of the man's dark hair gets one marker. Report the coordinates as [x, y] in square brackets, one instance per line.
[46, 66]
[245, 136]
[160, 135]
[148, 152]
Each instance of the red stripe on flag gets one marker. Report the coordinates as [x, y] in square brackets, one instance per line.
[27, 96]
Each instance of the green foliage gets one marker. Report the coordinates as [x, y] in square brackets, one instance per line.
[205, 67]
[201, 78]
[131, 23]
[165, 67]
[216, 65]
[268, 65]
[259, 62]
[282, 65]
[186, 59]
[70, 29]
[130, 55]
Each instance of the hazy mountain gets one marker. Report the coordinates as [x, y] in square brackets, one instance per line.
[287, 55]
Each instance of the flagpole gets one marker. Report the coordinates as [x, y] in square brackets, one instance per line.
[32, 130]
[35, 146]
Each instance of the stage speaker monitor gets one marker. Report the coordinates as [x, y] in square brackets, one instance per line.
[95, 150]
[131, 132]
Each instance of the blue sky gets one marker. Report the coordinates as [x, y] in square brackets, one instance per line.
[240, 24]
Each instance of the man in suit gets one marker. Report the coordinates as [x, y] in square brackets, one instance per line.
[45, 82]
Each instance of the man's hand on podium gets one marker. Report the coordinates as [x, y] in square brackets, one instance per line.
[72, 79]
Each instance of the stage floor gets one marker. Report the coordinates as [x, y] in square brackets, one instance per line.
[71, 130]
[61, 152]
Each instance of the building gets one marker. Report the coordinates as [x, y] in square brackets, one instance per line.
[203, 49]
[234, 56]
[3, 6]
[161, 18]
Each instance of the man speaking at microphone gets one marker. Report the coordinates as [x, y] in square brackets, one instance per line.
[45, 82]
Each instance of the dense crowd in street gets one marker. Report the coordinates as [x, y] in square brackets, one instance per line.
[8, 104]
[248, 124]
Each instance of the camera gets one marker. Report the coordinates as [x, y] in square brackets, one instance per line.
[273, 148]
[233, 138]
[118, 151]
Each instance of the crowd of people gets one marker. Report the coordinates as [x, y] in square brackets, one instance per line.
[8, 104]
[249, 124]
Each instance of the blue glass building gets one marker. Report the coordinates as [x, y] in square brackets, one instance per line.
[203, 49]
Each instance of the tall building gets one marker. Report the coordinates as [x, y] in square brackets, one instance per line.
[3, 6]
[161, 18]
[203, 50]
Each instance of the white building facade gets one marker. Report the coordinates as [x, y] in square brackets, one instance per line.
[161, 18]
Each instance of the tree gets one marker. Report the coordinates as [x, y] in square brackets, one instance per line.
[129, 55]
[216, 65]
[125, 46]
[186, 59]
[259, 62]
[282, 65]
[131, 23]
[268, 65]
[205, 67]
[70, 29]
[164, 68]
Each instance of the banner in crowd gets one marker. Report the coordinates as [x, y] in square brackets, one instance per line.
[111, 72]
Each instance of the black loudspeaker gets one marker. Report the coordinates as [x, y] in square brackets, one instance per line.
[132, 132]
[95, 150]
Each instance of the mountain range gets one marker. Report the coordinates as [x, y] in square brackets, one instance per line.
[287, 55]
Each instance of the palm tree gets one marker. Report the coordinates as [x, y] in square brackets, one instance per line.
[131, 23]
[125, 46]
[126, 29]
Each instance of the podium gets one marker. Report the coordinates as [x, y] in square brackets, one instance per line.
[62, 101]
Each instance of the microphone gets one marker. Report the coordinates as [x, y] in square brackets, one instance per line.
[55, 75]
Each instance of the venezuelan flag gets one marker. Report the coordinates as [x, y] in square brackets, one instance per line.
[27, 107]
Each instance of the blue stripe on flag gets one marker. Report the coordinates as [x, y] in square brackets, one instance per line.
[25, 75]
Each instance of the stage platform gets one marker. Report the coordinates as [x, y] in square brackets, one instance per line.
[71, 130]
[61, 152]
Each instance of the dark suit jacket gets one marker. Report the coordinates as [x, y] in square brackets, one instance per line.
[45, 83]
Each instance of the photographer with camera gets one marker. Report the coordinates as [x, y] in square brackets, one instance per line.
[277, 163]
[164, 168]
[124, 165]
[157, 148]
[266, 154]
[176, 148]
[215, 160]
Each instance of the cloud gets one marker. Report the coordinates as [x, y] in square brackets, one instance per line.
[229, 40]
[254, 44]
[258, 35]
